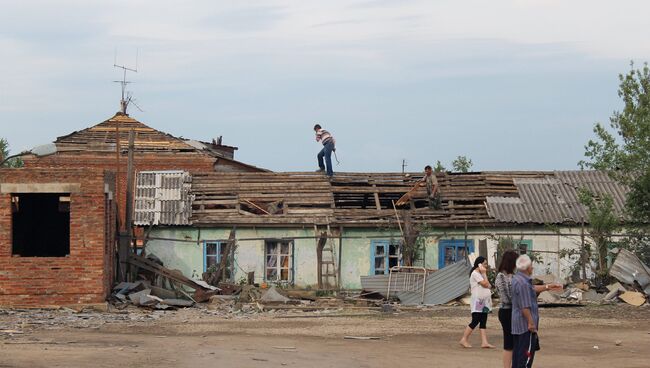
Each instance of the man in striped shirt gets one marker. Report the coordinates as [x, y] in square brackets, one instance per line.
[329, 146]
[525, 313]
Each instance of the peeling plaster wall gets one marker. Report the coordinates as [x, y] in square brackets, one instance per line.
[249, 255]
[356, 250]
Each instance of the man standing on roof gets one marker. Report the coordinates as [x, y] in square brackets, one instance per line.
[431, 183]
[329, 146]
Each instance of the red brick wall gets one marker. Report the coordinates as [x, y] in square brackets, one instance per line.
[85, 275]
[190, 162]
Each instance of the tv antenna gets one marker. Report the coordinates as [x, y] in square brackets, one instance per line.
[127, 98]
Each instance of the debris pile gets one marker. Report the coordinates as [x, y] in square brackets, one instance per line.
[143, 294]
[632, 287]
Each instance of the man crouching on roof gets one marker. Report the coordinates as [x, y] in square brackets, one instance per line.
[329, 146]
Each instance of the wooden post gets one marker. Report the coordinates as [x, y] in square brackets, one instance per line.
[376, 195]
[118, 193]
[322, 240]
[230, 249]
[338, 279]
[126, 237]
[583, 253]
[559, 270]
[130, 176]
[466, 249]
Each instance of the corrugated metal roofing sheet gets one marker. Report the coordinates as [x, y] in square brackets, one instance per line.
[379, 283]
[163, 198]
[441, 286]
[554, 198]
[628, 268]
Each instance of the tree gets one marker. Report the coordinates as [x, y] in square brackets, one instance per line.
[462, 164]
[413, 245]
[623, 151]
[439, 168]
[4, 153]
[603, 222]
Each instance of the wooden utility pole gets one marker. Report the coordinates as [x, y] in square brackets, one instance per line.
[126, 237]
[130, 175]
[583, 252]
[117, 174]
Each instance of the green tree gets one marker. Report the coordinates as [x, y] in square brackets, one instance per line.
[622, 149]
[462, 164]
[4, 153]
[603, 222]
[439, 168]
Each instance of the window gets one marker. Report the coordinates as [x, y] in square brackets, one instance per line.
[524, 246]
[279, 261]
[385, 255]
[213, 252]
[452, 251]
[41, 224]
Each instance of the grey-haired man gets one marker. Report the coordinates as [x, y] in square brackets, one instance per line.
[525, 313]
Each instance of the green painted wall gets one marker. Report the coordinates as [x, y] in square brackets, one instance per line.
[356, 251]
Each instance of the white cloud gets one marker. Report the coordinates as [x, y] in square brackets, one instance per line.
[57, 56]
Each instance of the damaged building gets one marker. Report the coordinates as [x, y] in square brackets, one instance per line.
[96, 147]
[303, 230]
[60, 214]
[57, 236]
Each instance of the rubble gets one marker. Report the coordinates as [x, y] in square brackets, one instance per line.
[548, 297]
[573, 294]
[592, 296]
[249, 293]
[273, 296]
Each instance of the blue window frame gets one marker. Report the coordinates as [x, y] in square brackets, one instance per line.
[452, 251]
[384, 255]
[212, 253]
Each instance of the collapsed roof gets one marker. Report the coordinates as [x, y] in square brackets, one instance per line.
[102, 138]
[484, 199]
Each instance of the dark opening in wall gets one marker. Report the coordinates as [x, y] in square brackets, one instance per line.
[41, 224]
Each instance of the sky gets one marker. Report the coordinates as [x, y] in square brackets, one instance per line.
[512, 84]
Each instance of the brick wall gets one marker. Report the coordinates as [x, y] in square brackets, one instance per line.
[191, 162]
[83, 277]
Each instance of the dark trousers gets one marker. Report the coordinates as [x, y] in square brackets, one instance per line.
[326, 153]
[505, 317]
[523, 351]
[478, 319]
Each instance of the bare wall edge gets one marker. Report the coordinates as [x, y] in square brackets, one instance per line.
[40, 188]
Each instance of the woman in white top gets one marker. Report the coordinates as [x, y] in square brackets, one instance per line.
[480, 302]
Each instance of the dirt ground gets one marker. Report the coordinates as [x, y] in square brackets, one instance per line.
[570, 337]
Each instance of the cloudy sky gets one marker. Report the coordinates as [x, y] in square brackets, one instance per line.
[512, 84]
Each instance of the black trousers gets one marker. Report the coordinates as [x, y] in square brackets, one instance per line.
[478, 319]
[505, 317]
[523, 351]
